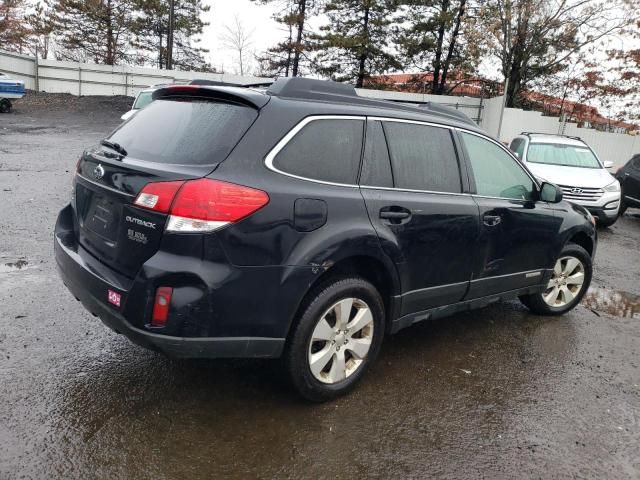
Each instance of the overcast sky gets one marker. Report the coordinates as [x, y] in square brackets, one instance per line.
[255, 16]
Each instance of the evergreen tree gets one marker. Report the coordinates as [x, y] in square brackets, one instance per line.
[430, 40]
[151, 29]
[287, 57]
[14, 34]
[355, 43]
[93, 30]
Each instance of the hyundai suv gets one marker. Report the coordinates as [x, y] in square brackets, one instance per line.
[306, 222]
[570, 163]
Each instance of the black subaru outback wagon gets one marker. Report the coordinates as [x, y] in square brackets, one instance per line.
[306, 222]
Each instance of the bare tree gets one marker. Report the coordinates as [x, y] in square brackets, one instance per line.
[238, 38]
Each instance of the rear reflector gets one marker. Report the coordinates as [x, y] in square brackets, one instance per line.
[161, 306]
[202, 205]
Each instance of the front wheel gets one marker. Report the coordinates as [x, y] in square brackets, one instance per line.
[608, 222]
[568, 284]
[337, 337]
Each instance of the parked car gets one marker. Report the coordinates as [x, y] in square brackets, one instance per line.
[9, 89]
[307, 222]
[144, 98]
[572, 165]
[629, 178]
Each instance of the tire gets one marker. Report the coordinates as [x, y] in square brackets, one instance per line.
[536, 302]
[315, 379]
[5, 106]
[623, 208]
[607, 223]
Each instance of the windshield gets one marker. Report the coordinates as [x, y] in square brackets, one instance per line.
[563, 155]
[143, 100]
[185, 131]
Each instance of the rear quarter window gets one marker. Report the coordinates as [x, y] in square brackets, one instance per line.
[185, 131]
[328, 150]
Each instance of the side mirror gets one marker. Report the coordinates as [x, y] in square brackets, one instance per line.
[608, 164]
[550, 193]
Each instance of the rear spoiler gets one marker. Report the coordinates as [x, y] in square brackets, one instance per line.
[243, 96]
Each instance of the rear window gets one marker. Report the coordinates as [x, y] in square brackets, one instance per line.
[185, 131]
[143, 100]
[326, 150]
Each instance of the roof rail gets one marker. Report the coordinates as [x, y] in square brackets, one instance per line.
[444, 110]
[309, 88]
[551, 134]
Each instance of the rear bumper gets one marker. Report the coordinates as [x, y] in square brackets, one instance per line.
[89, 281]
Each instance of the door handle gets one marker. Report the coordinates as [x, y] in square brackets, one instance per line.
[491, 220]
[395, 215]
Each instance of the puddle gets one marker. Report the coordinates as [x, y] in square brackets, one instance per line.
[14, 266]
[613, 302]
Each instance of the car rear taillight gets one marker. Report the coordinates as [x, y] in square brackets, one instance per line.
[202, 205]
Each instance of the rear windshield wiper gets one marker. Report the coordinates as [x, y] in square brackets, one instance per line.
[114, 146]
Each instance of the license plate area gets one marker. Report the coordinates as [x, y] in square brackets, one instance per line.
[99, 213]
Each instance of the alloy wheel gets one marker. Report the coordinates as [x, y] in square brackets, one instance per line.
[341, 340]
[566, 282]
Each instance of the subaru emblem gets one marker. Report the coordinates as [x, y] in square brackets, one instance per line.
[98, 172]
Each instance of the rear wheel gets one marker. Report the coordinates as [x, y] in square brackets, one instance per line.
[568, 284]
[5, 106]
[623, 208]
[337, 337]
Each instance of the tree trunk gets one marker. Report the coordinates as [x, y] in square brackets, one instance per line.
[109, 60]
[172, 10]
[437, 61]
[365, 50]
[452, 46]
[302, 6]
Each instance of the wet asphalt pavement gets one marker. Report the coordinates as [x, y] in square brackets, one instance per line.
[495, 393]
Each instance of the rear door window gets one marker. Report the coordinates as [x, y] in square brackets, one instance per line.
[328, 150]
[184, 131]
[423, 157]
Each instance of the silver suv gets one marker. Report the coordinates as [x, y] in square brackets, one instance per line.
[575, 168]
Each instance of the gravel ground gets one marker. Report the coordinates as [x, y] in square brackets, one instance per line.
[495, 393]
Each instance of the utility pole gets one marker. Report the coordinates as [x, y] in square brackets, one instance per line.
[504, 104]
[172, 8]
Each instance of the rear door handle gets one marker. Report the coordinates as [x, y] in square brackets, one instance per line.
[491, 220]
[395, 215]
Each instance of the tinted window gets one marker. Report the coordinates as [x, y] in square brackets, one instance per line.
[422, 157]
[496, 173]
[635, 162]
[327, 150]
[184, 131]
[376, 168]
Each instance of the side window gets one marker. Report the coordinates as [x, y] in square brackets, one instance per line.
[376, 167]
[517, 146]
[423, 157]
[327, 150]
[495, 172]
[635, 162]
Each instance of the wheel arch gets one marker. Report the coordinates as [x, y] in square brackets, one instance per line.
[382, 275]
[583, 240]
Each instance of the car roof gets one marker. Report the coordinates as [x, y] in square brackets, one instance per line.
[555, 139]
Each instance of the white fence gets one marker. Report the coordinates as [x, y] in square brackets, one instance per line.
[90, 79]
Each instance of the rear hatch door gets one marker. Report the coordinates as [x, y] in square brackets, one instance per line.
[177, 137]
